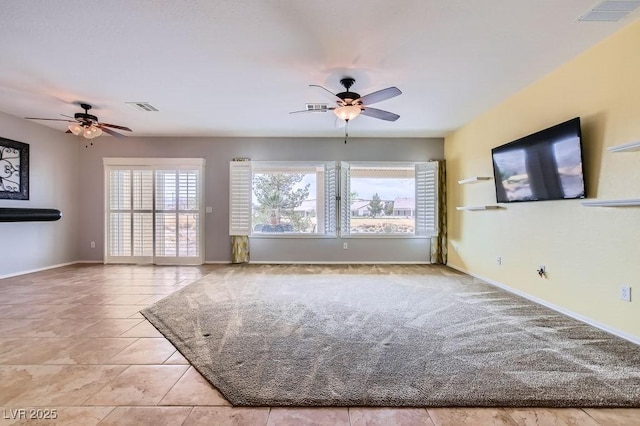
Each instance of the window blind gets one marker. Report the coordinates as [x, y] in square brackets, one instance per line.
[426, 199]
[330, 196]
[154, 213]
[345, 198]
[240, 198]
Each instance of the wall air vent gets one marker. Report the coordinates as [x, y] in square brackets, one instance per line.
[317, 107]
[142, 106]
[610, 10]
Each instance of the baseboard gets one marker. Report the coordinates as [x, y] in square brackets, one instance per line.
[576, 316]
[217, 262]
[360, 262]
[31, 271]
[97, 262]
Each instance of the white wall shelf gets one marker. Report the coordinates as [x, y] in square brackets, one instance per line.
[632, 146]
[474, 179]
[474, 208]
[612, 203]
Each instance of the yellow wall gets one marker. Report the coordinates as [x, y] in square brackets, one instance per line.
[589, 252]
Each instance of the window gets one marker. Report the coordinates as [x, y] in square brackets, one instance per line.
[299, 198]
[154, 211]
[283, 198]
[388, 199]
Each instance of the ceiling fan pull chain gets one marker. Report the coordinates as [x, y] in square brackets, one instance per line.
[346, 131]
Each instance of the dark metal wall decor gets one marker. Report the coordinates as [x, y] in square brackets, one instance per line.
[14, 170]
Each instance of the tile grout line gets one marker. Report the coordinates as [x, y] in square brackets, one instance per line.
[172, 386]
[590, 416]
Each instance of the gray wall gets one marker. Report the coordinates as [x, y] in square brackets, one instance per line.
[27, 246]
[218, 152]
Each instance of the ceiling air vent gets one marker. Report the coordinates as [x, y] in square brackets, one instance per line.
[610, 10]
[142, 106]
[317, 107]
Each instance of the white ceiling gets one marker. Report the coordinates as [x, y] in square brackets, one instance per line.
[236, 68]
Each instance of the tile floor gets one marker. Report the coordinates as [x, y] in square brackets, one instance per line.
[72, 342]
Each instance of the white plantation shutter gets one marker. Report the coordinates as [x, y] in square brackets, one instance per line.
[130, 217]
[427, 199]
[119, 214]
[177, 213]
[330, 195]
[154, 214]
[240, 183]
[142, 199]
[345, 198]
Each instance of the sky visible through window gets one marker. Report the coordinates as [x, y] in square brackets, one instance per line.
[386, 188]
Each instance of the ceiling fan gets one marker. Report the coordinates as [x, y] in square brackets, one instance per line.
[87, 125]
[351, 104]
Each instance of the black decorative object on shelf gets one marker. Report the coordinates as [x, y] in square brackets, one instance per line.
[8, 214]
[14, 170]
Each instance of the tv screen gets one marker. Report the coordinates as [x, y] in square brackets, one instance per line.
[546, 165]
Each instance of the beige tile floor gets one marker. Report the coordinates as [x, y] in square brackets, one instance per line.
[72, 340]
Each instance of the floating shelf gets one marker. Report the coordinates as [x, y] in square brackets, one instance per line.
[8, 214]
[612, 203]
[632, 146]
[474, 179]
[473, 208]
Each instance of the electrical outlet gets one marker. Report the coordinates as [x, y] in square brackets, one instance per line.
[93, 244]
[625, 293]
[499, 260]
[345, 246]
[542, 272]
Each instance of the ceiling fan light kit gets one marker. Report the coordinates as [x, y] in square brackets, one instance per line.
[351, 104]
[347, 112]
[87, 125]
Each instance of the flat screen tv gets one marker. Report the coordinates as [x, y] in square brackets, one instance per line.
[546, 165]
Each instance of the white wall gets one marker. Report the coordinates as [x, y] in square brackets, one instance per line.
[218, 152]
[26, 246]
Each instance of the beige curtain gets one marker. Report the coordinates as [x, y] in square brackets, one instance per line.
[439, 243]
[239, 249]
[240, 243]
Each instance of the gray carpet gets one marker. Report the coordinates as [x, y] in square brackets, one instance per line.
[423, 336]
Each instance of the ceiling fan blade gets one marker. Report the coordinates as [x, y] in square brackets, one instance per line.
[115, 126]
[379, 114]
[380, 95]
[65, 115]
[50, 119]
[313, 110]
[333, 95]
[111, 132]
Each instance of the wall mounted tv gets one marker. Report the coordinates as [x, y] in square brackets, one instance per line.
[546, 165]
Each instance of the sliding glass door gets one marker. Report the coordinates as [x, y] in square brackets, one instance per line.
[154, 211]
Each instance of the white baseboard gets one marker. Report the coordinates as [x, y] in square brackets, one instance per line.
[97, 262]
[581, 318]
[30, 271]
[217, 262]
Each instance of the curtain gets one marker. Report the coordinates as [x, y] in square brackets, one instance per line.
[239, 249]
[439, 243]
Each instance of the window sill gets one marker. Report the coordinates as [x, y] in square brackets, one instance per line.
[384, 236]
[288, 236]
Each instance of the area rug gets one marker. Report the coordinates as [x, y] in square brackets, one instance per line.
[420, 336]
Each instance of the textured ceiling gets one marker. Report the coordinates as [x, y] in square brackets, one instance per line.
[236, 68]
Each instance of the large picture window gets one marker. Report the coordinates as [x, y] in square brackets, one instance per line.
[301, 198]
